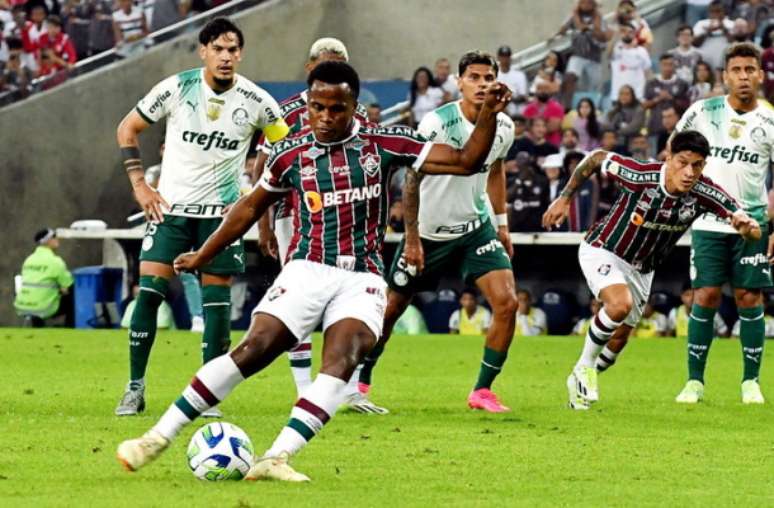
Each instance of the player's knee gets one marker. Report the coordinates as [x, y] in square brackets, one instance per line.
[619, 309]
[707, 297]
[504, 304]
[746, 298]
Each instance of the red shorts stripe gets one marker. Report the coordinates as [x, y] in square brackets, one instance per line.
[304, 346]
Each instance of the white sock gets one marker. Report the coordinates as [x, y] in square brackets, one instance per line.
[212, 383]
[600, 331]
[301, 365]
[606, 359]
[309, 415]
[354, 380]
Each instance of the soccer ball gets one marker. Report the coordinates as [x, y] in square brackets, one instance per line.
[220, 451]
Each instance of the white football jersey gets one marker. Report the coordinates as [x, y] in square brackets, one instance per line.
[207, 138]
[451, 206]
[741, 147]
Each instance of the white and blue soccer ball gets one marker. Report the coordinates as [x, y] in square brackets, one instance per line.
[220, 451]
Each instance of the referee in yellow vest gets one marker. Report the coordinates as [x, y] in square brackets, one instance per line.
[46, 282]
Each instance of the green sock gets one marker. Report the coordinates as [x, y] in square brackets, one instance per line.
[701, 330]
[491, 366]
[751, 334]
[142, 328]
[216, 304]
[369, 362]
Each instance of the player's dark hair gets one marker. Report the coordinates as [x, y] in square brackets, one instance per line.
[469, 291]
[217, 27]
[690, 141]
[665, 56]
[742, 49]
[336, 73]
[524, 291]
[684, 27]
[477, 57]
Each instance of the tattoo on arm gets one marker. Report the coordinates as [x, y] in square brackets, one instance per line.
[585, 169]
[411, 202]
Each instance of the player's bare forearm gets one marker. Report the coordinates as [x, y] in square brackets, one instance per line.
[495, 187]
[257, 169]
[237, 222]
[127, 135]
[587, 167]
[411, 205]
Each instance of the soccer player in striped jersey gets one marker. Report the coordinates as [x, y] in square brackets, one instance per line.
[657, 204]
[275, 242]
[211, 114]
[338, 173]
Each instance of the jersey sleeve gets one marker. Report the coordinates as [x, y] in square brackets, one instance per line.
[509, 139]
[275, 173]
[270, 120]
[690, 119]
[63, 277]
[159, 102]
[629, 173]
[408, 147]
[712, 198]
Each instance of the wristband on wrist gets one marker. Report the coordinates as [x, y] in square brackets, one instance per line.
[501, 219]
[131, 158]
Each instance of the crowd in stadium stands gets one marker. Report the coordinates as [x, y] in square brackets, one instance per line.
[45, 38]
[566, 110]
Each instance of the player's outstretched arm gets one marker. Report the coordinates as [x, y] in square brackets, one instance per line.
[149, 200]
[267, 241]
[446, 160]
[412, 250]
[560, 208]
[237, 221]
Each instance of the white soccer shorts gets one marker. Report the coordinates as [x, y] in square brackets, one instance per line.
[306, 292]
[602, 268]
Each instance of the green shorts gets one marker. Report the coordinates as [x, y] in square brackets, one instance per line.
[717, 258]
[165, 241]
[471, 255]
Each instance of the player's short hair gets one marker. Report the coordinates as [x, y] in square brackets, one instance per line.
[690, 141]
[743, 49]
[53, 19]
[665, 56]
[328, 45]
[336, 73]
[477, 57]
[217, 27]
[684, 27]
[524, 291]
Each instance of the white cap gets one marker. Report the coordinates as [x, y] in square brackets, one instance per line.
[555, 160]
[328, 45]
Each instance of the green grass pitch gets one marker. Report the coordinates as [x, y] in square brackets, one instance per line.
[635, 448]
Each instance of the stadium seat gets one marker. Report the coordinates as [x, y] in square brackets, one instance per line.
[560, 308]
[438, 311]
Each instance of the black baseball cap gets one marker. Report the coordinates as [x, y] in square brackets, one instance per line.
[44, 235]
[504, 51]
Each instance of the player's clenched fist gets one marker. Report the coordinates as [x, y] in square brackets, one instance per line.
[556, 213]
[497, 97]
[187, 262]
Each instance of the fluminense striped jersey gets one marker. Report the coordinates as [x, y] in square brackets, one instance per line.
[340, 190]
[295, 111]
[645, 222]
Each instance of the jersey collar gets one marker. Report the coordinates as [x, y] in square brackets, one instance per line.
[353, 131]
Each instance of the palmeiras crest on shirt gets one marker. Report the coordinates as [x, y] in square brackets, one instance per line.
[239, 117]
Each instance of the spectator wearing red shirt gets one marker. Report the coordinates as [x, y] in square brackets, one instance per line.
[549, 109]
[57, 51]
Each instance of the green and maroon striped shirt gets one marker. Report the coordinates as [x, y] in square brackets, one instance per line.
[645, 222]
[340, 191]
[295, 112]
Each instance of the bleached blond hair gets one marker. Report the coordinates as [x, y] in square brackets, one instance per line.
[328, 45]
